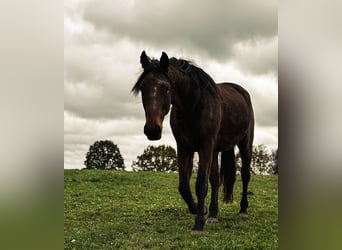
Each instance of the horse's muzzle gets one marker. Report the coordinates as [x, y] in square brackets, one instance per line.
[153, 133]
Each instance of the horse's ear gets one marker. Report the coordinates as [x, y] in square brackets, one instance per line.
[164, 61]
[144, 60]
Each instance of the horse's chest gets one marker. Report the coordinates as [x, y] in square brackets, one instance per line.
[186, 134]
[189, 139]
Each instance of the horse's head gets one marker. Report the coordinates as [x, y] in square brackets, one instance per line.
[155, 87]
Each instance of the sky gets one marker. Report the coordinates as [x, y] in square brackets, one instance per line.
[233, 41]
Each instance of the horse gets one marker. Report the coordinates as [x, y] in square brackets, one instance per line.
[205, 117]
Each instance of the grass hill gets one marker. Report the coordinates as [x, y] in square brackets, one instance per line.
[143, 210]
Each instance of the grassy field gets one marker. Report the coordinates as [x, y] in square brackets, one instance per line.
[143, 210]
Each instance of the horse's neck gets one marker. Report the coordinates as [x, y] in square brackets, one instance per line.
[182, 92]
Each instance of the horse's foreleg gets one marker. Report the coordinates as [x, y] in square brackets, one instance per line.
[185, 165]
[214, 182]
[205, 158]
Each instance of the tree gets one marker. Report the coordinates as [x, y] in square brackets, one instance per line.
[274, 166]
[104, 155]
[261, 160]
[157, 159]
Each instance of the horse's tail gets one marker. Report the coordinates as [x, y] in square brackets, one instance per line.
[228, 174]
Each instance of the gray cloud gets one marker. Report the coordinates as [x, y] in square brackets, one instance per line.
[257, 56]
[101, 62]
[98, 80]
[209, 27]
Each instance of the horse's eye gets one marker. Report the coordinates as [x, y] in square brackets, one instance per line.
[167, 88]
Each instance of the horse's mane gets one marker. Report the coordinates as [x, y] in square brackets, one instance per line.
[199, 78]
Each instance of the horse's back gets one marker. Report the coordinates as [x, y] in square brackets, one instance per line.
[229, 89]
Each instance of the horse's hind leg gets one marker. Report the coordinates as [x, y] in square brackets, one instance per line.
[228, 174]
[246, 156]
[214, 182]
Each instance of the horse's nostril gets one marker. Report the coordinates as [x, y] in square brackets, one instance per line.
[157, 129]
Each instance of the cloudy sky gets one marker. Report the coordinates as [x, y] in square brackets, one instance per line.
[233, 41]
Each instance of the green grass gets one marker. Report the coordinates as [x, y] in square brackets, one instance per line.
[143, 210]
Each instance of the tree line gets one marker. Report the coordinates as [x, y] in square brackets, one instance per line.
[104, 154]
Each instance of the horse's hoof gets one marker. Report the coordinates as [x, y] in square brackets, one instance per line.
[212, 220]
[197, 231]
[198, 227]
[243, 215]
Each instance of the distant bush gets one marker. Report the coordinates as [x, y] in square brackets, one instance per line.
[104, 155]
[157, 159]
[263, 161]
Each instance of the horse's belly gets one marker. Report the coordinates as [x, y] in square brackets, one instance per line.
[226, 142]
[224, 146]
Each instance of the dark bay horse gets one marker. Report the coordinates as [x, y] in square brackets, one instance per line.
[207, 118]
